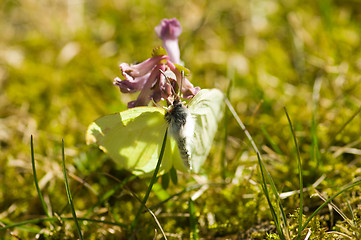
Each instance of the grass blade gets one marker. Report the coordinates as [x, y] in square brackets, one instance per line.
[266, 193]
[275, 147]
[153, 215]
[185, 190]
[354, 223]
[337, 209]
[193, 220]
[108, 194]
[69, 194]
[52, 219]
[315, 152]
[299, 165]
[342, 128]
[328, 201]
[43, 204]
[152, 181]
[262, 165]
[225, 136]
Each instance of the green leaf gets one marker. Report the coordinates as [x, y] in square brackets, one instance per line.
[165, 181]
[173, 175]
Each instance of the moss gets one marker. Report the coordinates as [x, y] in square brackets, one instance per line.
[275, 53]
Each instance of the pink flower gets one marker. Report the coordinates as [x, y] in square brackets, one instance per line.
[136, 76]
[169, 30]
[147, 77]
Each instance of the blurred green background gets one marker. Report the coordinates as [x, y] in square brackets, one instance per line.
[58, 60]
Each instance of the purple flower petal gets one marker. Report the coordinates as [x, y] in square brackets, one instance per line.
[147, 91]
[135, 76]
[169, 30]
[141, 68]
[131, 86]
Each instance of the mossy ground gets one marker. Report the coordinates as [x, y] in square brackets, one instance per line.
[57, 63]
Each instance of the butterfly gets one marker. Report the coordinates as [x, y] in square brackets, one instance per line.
[133, 138]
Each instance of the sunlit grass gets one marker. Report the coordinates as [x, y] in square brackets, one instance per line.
[57, 63]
